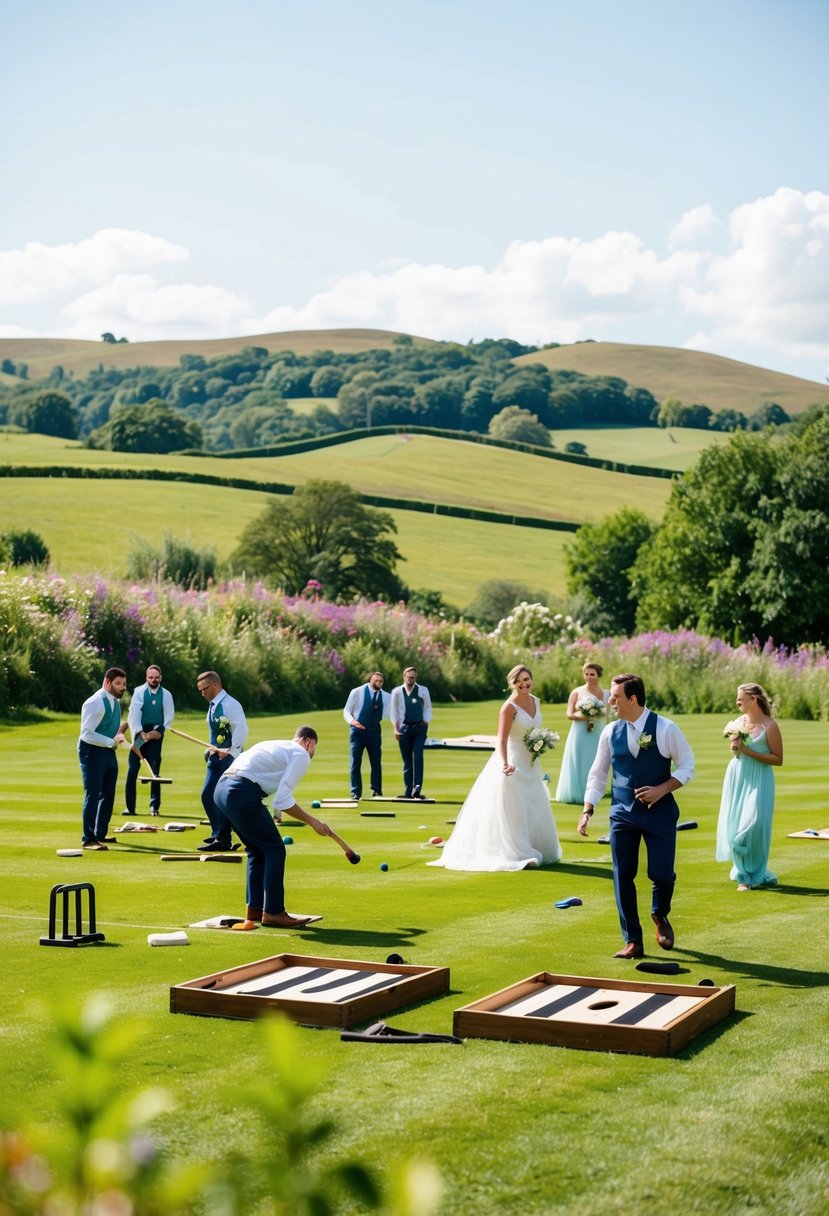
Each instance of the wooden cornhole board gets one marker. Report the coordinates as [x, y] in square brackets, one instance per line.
[596, 1014]
[811, 834]
[466, 743]
[311, 990]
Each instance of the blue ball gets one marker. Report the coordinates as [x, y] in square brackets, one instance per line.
[384, 865]
[315, 805]
[287, 840]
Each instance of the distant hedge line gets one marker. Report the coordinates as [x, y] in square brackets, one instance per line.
[327, 441]
[74, 472]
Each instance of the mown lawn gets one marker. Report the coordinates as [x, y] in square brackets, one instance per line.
[736, 1123]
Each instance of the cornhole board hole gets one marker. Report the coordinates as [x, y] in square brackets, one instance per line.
[311, 990]
[596, 1014]
[811, 834]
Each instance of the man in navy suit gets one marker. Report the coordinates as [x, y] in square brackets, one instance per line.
[641, 747]
[365, 709]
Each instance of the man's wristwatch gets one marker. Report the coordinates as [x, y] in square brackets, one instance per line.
[589, 814]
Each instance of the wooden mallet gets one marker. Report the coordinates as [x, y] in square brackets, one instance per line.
[182, 735]
[353, 857]
[152, 776]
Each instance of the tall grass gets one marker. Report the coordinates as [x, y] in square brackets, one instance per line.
[281, 653]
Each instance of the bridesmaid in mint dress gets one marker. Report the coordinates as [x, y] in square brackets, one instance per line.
[747, 805]
[582, 739]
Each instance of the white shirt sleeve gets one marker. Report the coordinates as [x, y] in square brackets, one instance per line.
[238, 724]
[597, 777]
[134, 715]
[285, 796]
[169, 709]
[352, 704]
[671, 742]
[427, 703]
[397, 709]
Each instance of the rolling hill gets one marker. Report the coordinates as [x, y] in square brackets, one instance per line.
[79, 357]
[691, 375]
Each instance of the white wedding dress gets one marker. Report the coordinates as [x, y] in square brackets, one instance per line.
[506, 823]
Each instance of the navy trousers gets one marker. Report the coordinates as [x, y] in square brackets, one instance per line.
[216, 765]
[368, 740]
[151, 750]
[239, 801]
[657, 827]
[99, 770]
[412, 742]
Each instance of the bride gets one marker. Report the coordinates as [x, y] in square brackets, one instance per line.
[506, 822]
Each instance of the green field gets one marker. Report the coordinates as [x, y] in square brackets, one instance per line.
[675, 448]
[736, 1123]
[401, 466]
[452, 556]
[691, 375]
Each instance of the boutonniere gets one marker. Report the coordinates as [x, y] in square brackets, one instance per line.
[644, 742]
[223, 731]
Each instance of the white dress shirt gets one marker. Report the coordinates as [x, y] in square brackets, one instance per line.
[398, 704]
[355, 703]
[232, 710]
[137, 710]
[670, 742]
[92, 711]
[277, 766]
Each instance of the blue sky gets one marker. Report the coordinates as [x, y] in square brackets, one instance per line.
[631, 171]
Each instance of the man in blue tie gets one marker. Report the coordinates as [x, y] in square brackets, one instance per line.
[641, 747]
[100, 735]
[228, 731]
[364, 710]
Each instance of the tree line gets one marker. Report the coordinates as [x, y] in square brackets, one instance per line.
[244, 400]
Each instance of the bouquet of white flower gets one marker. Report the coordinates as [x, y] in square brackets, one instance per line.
[591, 708]
[734, 730]
[540, 740]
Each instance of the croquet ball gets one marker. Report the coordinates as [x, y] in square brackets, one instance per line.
[287, 840]
[395, 958]
[435, 840]
[384, 865]
[316, 804]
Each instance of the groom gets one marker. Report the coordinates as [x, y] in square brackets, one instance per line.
[641, 746]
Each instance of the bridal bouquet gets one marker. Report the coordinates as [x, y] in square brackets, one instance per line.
[540, 740]
[224, 731]
[733, 730]
[591, 708]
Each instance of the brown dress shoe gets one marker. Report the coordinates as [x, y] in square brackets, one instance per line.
[664, 932]
[631, 950]
[253, 913]
[283, 920]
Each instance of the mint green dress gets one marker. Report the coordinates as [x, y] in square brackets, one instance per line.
[746, 810]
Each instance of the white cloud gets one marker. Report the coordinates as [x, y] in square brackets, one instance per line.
[39, 271]
[144, 309]
[772, 286]
[697, 222]
[766, 291]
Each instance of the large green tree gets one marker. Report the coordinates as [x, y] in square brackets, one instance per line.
[152, 427]
[323, 532]
[696, 572]
[599, 561]
[48, 414]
